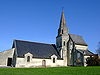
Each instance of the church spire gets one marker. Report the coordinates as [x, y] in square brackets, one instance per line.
[62, 29]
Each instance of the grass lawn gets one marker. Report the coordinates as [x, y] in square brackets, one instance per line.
[51, 71]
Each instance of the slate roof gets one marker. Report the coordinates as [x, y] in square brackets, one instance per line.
[39, 50]
[81, 51]
[78, 39]
[87, 52]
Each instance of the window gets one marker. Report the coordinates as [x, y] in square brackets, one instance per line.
[78, 55]
[64, 43]
[62, 31]
[9, 62]
[28, 58]
[53, 60]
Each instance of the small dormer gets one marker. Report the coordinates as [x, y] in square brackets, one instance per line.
[54, 58]
[28, 57]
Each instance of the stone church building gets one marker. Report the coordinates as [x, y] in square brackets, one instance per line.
[69, 50]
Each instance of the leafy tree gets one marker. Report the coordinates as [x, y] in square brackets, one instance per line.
[93, 60]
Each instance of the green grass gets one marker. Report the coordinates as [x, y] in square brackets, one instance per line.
[51, 71]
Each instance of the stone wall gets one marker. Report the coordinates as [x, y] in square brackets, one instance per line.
[85, 57]
[4, 57]
[35, 62]
[81, 47]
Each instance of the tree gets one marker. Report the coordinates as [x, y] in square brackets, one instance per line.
[98, 49]
[93, 60]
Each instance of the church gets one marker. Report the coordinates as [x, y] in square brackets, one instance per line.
[69, 50]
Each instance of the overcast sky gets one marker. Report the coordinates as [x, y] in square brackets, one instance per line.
[38, 20]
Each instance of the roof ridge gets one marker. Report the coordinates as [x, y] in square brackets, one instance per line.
[5, 50]
[74, 34]
[33, 42]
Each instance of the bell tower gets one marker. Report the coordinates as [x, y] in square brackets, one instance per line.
[62, 38]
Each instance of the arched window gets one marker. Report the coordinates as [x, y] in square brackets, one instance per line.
[28, 58]
[53, 60]
[78, 55]
[62, 31]
[64, 43]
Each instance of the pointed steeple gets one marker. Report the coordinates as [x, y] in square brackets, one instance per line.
[63, 28]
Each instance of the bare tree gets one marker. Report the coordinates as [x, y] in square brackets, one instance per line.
[98, 49]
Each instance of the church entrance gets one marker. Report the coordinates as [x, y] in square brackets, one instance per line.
[9, 62]
[44, 63]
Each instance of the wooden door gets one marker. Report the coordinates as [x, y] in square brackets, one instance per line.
[44, 63]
